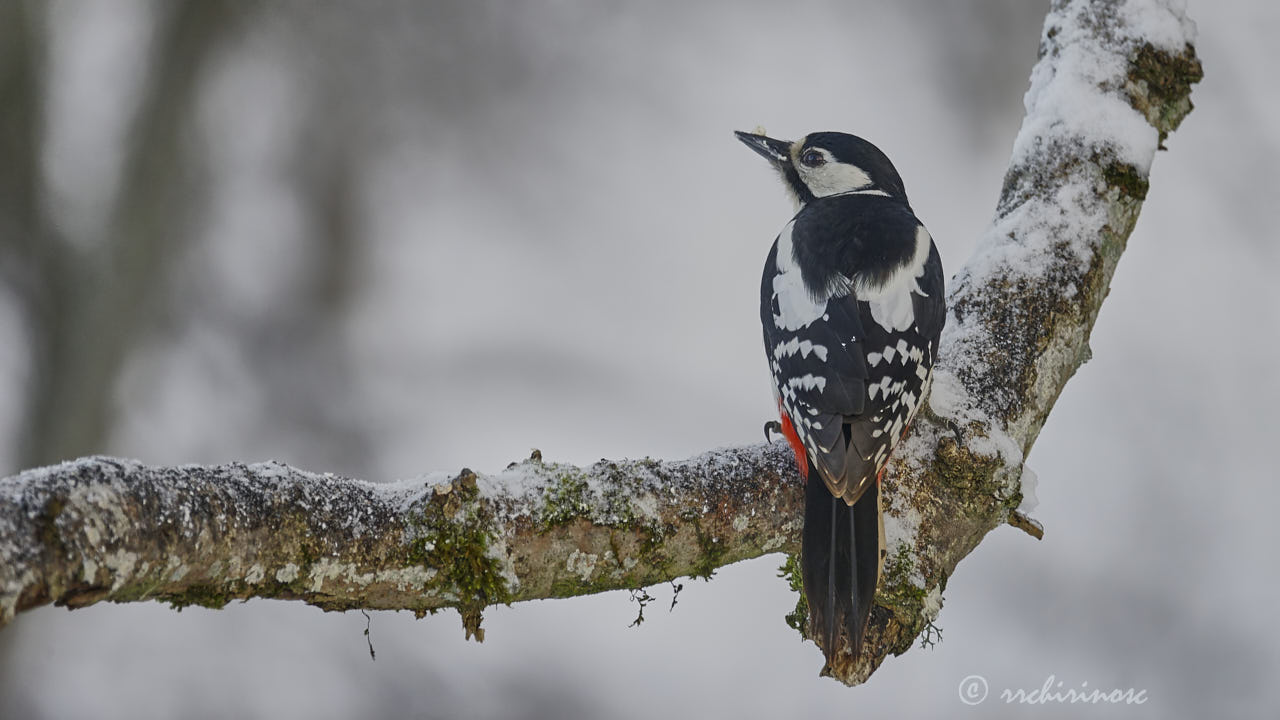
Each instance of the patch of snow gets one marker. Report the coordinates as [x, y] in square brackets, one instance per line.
[901, 531]
[1029, 481]
[645, 506]
[1164, 23]
[1077, 95]
[1077, 104]
[522, 480]
[932, 603]
[947, 397]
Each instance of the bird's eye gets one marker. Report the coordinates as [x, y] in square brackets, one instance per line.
[812, 158]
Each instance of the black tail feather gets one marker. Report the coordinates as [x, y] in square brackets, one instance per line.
[866, 533]
[840, 556]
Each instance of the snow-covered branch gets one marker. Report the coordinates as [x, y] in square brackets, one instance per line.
[105, 529]
[1113, 79]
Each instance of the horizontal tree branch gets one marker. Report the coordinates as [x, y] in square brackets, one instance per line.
[105, 529]
[1113, 79]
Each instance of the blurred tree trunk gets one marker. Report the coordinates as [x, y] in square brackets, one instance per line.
[326, 169]
[22, 75]
[86, 299]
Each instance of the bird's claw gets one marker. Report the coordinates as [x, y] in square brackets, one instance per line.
[773, 427]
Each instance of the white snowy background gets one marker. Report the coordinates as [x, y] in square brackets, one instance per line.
[559, 247]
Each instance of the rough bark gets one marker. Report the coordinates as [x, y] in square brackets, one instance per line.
[105, 529]
[1022, 310]
[1024, 305]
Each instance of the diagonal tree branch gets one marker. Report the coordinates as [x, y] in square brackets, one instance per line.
[1113, 79]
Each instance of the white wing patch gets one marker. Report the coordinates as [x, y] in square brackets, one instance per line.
[797, 308]
[890, 303]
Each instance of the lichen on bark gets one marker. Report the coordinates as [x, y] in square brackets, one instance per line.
[101, 529]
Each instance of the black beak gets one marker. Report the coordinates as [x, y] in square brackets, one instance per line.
[777, 152]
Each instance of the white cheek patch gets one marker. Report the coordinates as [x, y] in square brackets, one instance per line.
[833, 178]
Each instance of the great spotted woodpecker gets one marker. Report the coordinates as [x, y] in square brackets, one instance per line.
[852, 306]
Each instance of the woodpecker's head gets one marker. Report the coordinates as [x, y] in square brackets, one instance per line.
[828, 163]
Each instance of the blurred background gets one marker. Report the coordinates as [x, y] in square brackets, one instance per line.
[391, 237]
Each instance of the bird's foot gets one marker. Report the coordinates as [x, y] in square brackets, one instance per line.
[771, 428]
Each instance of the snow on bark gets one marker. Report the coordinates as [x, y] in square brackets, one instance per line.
[106, 529]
